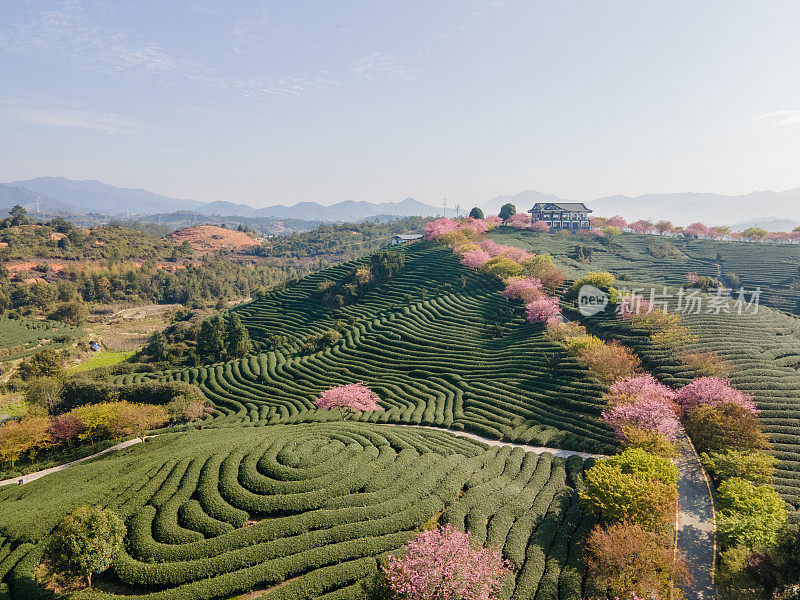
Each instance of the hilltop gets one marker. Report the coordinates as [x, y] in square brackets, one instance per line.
[210, 238]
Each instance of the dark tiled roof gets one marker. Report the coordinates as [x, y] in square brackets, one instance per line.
[568, 206]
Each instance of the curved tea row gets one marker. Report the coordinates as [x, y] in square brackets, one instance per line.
[432, 362]
[314, 508]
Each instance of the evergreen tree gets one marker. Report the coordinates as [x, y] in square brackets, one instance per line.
[476, 213]
[238, 338]
[159, 346]
[507, 211]
[19, 216]
[210, 341]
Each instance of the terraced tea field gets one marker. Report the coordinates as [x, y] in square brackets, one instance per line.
[433, 361]
[772, 267]
[23, 337]
[304, 511]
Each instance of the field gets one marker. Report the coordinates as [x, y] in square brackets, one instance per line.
[304, 511]
[23, 337]
[642, 259]
[102, 359]
[433, 361]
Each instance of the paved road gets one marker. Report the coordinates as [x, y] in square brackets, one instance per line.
[37, 474]
[491, 442]
[695, 523]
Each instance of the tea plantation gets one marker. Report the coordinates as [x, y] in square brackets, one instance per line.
[303, 511]
[22, 337]
[763, 347]
[424, 343]
[660, 259]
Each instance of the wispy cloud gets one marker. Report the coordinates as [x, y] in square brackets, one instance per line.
[379, 65]
[249, 31]
[71, 31]
[781, 117]
[59, 116]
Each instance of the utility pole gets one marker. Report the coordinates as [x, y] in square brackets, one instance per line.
[444, 207]
[458, 210]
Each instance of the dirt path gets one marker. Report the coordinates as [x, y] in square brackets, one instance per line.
[695, 522]
[37, 474]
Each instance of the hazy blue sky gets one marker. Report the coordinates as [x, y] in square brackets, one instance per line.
[266, 102]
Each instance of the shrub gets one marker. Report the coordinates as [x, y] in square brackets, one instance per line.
[707, 364]
[354, 396]
[602, 281]
[476, 213]
[85, 542]
[712, 391]
[502, 267]
[724, 426]
[624, 559]
[748, 515]
[609, 362]
[635, 487]
[544, 268]
[561, 333]
[649, 441]
[757, 467]
[442, 564]
[577, 344]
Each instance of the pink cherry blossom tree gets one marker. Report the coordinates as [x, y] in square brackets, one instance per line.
[475, 259]
[435, 229]
[519, 221]
[699, 230]
[713, 391]
[692, 278]
[617, 221]
[518, 254]
[494, 221]
[642, 387]
[526, 289]
[648, 413]
[542, 309]
[356, 397]
[540, 227]
[442, 565]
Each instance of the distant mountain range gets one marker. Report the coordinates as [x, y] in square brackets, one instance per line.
[58, 194]
[768, 209]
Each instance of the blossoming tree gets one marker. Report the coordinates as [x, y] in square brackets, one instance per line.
[442, 565]
[354, 396]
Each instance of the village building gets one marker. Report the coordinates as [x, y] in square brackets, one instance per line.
[561, 215]
[403, 238]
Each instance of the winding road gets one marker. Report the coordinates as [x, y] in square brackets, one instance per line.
[695, 522]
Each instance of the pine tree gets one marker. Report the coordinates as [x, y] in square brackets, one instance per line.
[507, 211]
[238, 338]
[210, 341]
[476, 213]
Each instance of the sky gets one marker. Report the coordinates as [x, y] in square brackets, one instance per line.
[280, 102]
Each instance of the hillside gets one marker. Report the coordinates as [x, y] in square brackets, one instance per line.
[210, 238]
[774, 268]
[764, 347]
[219, 513]
[424, 343]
